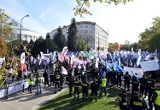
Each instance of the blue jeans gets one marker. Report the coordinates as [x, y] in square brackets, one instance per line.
[103, 89]
[39, 89]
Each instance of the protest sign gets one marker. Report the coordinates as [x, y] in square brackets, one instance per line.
[131, 70]
[151, 65]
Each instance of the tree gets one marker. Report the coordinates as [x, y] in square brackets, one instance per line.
[38, 46]
[49, 43]
[83, 5]
[4, 32]
[149, 39]
[112, 47]
[72, 31]
[81, 46]
[59, 39]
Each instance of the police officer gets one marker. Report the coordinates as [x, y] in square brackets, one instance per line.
[45, 75]
[103, 86]
[61, 81]
[52, 80]
[57, 82]
[149, 84]
[137, 102]
[142, 85]
[127, 79]
[94, 90]
[119, 79]
[123, 101]
[85, 86]
[135, 84]
[77, 84]
[156, 97]
[71, 83]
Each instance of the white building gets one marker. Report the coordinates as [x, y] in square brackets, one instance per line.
[25, 33]
[90, 32]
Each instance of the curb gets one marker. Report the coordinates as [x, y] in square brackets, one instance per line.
[47, 100]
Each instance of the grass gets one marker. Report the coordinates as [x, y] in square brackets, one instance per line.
[65, 102]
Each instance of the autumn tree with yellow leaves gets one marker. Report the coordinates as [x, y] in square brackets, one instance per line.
[4, 32]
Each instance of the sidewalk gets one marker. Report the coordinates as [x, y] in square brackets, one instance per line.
[28, 101]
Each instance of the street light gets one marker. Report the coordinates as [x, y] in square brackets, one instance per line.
[21, 28]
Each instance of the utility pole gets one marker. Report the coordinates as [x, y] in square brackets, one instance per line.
[21, 28]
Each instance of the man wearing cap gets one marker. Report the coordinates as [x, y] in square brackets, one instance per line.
[156, 97]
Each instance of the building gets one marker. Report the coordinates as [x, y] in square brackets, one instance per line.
[90, 32]
[25, 33]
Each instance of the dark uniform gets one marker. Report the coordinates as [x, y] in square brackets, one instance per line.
[45, 75]
[127, 79]
[57, 82]
[85, 86]
[149, 84]
[142, 85]
[123, 102]
[94, 90]
[52, 80]
[71, 82]
[77, 84]
[135, 84]
[137, 103]
[119, 79]
[61, 81]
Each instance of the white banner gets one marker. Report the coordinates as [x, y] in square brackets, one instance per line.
[151, 65]
[2, 93]
[131, 70]
[15, 88]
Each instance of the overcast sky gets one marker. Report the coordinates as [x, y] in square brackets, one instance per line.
[123, 22]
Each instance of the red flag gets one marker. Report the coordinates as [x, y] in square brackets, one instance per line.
[118, 47]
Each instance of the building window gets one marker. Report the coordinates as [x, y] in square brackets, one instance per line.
[91, 26]
[81, 26]
[86, 26]
[86, 31]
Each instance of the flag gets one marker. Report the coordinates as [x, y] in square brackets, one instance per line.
[133, 73]
[22, 62]
[63, 54]
[118, 48]
[100, 70]
[64, 71]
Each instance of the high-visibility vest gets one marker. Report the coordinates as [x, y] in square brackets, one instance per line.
[157, 101]
[104, 81]
[30, 82]
[39, 81]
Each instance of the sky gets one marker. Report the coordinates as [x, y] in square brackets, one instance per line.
[122, 22]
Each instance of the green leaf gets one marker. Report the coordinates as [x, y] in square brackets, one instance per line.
[101, 1]
[79, 3]
[87, 3]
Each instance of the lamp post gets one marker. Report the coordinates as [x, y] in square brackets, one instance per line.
[21, 28]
